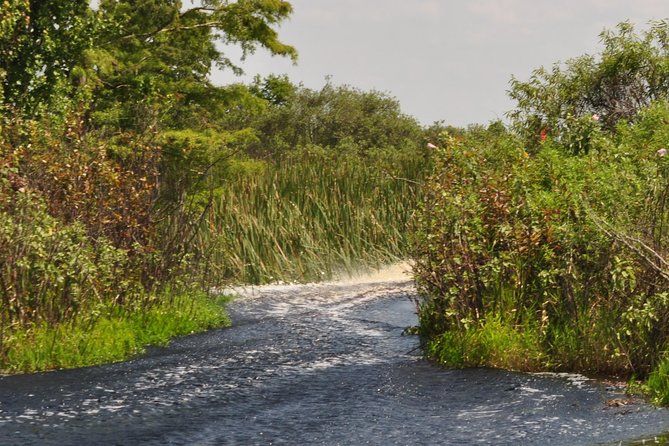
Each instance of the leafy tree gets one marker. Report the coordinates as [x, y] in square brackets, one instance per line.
[158, 54]
[631, 72]
[40, 43]
[13, 19]
[334, 117]
[149, 75]
[277, 90]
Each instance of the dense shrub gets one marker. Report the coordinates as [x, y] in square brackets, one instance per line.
[547, 247]
[108, 186]
[51, 270]
[569, 248]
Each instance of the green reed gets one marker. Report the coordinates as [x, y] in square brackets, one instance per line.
[312, 215]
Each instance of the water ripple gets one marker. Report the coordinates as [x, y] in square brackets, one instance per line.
[313, 364]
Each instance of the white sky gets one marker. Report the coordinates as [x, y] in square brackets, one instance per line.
[447, 60]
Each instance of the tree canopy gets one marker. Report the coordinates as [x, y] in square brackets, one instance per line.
[630, 72]
[122, 59]
[40, 44]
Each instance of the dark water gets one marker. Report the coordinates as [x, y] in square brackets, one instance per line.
[313, 365]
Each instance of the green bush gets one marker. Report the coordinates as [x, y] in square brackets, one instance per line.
[82, 241]
[658, 383]
[580, 240]
[50, 270]
[558, 231]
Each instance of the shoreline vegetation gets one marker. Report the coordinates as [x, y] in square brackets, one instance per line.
[112, 337]
[130, 186]
[543, 246]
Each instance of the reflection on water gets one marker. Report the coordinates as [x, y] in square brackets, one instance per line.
[316, 364]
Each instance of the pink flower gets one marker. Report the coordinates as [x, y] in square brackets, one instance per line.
[543, 134]
[431, 146]
[595, 117]
[662, 152]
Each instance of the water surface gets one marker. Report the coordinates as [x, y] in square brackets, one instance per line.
[314, 364]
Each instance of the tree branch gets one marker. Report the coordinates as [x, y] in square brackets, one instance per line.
[212, 24]
[641, 249]
[198, 9]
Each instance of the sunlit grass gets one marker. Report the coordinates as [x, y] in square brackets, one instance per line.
[112, 337]
[492, 342]
[657, 385]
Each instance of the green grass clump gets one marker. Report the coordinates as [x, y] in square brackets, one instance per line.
[114, 336]
[657, 385]
[491, 342]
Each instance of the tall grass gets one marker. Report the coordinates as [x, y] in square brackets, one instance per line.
[311, 215]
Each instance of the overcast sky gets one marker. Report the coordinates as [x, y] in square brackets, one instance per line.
[447, 60]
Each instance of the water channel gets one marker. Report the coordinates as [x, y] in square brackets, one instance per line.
[315, 364]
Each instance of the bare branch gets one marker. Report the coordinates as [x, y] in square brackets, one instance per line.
[212, 24]
[655, 260]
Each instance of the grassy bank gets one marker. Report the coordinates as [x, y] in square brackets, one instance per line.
[114, 335]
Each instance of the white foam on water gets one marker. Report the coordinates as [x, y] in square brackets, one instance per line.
[395, 273]
[577, 380]
[478, 414]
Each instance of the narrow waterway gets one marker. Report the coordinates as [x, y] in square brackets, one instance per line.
[314, 364]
